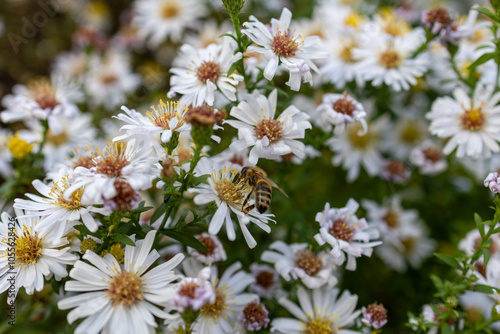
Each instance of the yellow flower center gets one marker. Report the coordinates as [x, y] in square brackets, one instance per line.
[170, 10]
[360, 142]
[354, 20]
[345, 52]
[391, 218]
[125, 289]
[215, 309]
[410, 133]
[320, 326]
[28, 247]
[57, 140]
[165, 112]
[473, 119]
[18, 147]
[57, 192]
[394, 25]
[390, 58]
[229, 192]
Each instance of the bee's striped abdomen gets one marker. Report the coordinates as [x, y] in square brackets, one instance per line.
[262, 196]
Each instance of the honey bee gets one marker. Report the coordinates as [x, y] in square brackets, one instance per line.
[261, 186]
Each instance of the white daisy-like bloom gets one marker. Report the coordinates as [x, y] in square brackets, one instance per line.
[269, 137]
[36, 254]
[162, 19]
[414, 247]
[57, 210]
[472, 124]
[117, 168]
[5, 155]
[340, 110]
[388, 60]
[221, 316]
[231, 158]
[267, 281]
[75, 131]
[428, 157]
[408, 133]
[210, 33]
[72, 64]
[109, 79]
[42, 99]
[214, 247]
[320, 311]
[194, 292]
[477, 304]
[157, 127]
[120, 298]
[280, 45]
[471, 242]
[354, 149]
[349, 236]
[341, 67]
[229, 197]
[297, 261]
[206, 70]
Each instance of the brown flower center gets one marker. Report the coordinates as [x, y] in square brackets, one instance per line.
[265, 279]
[341, 230]
[309, 262]
[439, 15]
[255, 312]
[208, 70]
[109, 78]
[344, 106]
[125, 289]
[204, 115]
[164, 112]
[409, 244]
[208, 243]
[284, 45]
[125, 197]
[114, 161]
[377, 311]
[390, 58]
[391, 219]
[395, 167]
[270, 128]
[473, 119]
[43, 93]
[87, 162]
[57, 140]
[432, 153]
[188, 289]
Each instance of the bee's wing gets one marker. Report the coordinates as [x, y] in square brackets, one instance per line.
[276, 186]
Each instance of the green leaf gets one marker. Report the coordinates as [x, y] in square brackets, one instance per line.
[485, 288]
[446, 328]
[488, 13]
[185, 239]
[486, 254]
[479, 225]
[232, 68]
[159, 212]
[124, 239]
[125, 227]
[481, 60]
[449, 260]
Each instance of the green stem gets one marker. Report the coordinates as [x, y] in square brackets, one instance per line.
[241, 68]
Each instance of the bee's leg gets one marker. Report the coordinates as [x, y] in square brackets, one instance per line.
[250, 207]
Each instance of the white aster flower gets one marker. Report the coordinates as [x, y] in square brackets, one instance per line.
[109, 79]
[354, 149]
[471, 123]
[214, 247]
[267, 283]
[117, 170]
[408, 133]
[42, 99]
[221, 317]
[207, 70]
[279, 44]
[270, 137]
[161, 19]
[159, 125]
[349, 236]
[428, 157]
[297, 261]
[388, 60]
[228, 197]
[28, 254]
[120, 298]
[320, 311]
[55, 208]
[339, 110]
[194, 292]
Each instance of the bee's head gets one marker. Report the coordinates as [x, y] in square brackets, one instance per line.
[244, 171]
